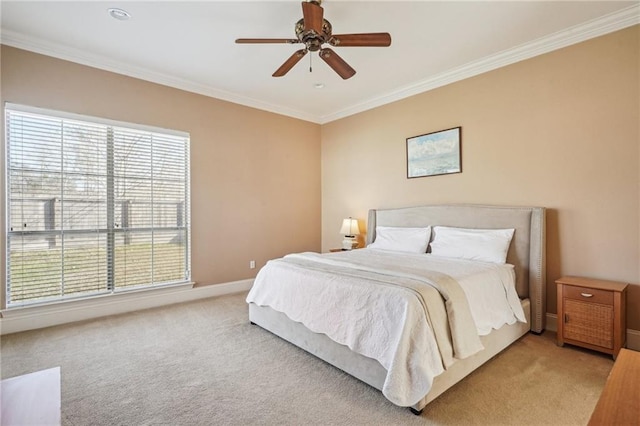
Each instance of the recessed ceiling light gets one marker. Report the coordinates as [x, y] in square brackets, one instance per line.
[119, 14]
[318, 85]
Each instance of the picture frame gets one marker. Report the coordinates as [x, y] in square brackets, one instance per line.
[436, 153]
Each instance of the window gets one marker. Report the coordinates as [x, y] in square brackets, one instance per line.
[93, 206]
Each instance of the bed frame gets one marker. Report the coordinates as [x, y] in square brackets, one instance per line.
[526, 253]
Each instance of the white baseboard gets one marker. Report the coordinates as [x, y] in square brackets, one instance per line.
[34, 317]
[633, 336]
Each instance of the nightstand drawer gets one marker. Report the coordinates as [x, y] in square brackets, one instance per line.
[591, 295]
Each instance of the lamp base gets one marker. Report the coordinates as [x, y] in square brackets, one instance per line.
[349, 242]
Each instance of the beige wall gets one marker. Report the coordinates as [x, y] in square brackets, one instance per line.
[255, 176]
[560, 130]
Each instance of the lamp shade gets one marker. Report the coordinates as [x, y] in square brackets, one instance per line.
[350, 227]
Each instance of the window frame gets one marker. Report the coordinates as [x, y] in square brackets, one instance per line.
[110, 231]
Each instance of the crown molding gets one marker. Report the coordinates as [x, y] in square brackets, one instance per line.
[597, 27]
[604, 25]
[45, 47]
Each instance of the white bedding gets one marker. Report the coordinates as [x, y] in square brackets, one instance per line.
[386, 322]
[490, 287]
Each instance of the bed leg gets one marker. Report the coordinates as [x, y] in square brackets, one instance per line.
[415, 412]
[252, 323]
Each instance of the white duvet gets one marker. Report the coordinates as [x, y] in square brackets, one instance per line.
[359, 304]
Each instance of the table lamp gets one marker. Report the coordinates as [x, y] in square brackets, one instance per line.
[350, 229]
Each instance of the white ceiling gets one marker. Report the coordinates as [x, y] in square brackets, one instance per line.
[190, 45]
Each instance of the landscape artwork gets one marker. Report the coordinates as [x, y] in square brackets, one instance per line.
[436, 153]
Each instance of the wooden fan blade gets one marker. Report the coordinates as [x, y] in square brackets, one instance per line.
[289, 63]
[267, 40]
[338, 64]
[364, 40]
[312, 14]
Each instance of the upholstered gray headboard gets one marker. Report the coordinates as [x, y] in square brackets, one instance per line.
[526, 253]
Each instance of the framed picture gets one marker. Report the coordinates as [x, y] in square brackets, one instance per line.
[436, 153]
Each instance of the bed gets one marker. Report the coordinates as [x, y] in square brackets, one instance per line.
[526, 254]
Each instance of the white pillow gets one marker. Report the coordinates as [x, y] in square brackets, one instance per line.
[488, 245]
[413, 240]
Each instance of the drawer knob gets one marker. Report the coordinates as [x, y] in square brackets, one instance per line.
[586, 294]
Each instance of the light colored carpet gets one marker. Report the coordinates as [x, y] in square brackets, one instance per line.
[202, 363]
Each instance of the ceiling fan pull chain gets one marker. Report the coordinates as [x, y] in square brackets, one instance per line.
[310, 63]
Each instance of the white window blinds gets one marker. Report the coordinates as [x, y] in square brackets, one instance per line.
[93, 206]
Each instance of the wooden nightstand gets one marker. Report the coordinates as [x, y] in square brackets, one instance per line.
[592, 314]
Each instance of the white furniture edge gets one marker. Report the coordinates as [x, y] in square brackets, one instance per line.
[31, 399]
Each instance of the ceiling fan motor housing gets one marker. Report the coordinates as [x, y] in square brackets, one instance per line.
[311, 38]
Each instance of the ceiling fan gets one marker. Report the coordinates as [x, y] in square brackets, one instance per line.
[314, 31]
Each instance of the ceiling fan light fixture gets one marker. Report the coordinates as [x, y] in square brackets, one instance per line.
[119, 14]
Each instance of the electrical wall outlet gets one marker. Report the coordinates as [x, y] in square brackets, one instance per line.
[252, 264]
